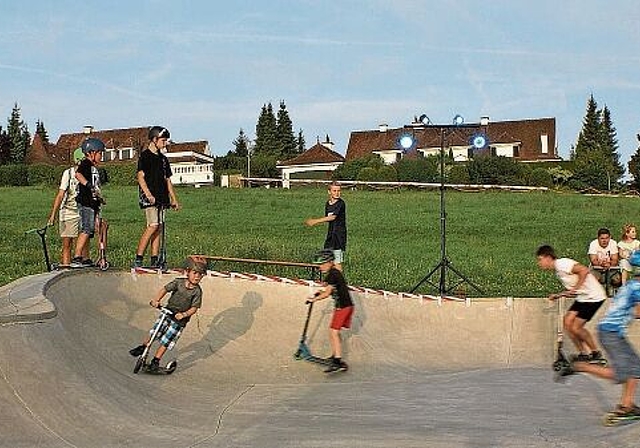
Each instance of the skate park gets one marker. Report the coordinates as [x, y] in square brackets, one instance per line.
[422, 372]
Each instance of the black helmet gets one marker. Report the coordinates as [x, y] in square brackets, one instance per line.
[323, 256]
[158, 132]
[92, 145]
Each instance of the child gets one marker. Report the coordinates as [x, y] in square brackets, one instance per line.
[626, 245]
[589, 295]
[184, 302]
[89, 198]
[335, 213]
[612, 330]
[335, 287]
[156, 192]
[65, 202]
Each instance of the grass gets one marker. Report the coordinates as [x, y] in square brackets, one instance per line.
[394, 236]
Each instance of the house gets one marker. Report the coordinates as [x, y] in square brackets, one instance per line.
[190, 161]
[319, 161]
[530, 140]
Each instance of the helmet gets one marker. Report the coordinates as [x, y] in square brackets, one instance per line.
[158, 132]
[92, 145]
[634, 259]
[78, 155]
[323, 256]
[195, 265]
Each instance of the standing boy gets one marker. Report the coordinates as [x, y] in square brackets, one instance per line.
[335, 287]
[184, 302]
[589, 295]
[65, 203]
[156, 192]
[612, 332]
[89, 198]
[335, 213]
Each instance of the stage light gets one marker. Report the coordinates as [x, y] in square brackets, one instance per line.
[424, 119]
[479, 140]
[458, 120]
[406, 141]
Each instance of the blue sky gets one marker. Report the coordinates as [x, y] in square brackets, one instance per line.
[205, 68]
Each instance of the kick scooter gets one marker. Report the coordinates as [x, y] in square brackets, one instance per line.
[42, 233]
[141, 362]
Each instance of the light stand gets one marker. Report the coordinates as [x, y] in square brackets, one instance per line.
[444, 264]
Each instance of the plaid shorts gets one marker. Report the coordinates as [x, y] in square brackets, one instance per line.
[169, 332]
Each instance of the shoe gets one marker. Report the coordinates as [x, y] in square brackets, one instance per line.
[596, 355]
[336, 366]
[623, 411]
[153, 262]
[87, 263]
[566, 369]
[154, 365]
[137, 263]
[76, 262]
[137, 351]
[581, 357]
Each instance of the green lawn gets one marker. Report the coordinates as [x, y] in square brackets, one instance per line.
[393, 235]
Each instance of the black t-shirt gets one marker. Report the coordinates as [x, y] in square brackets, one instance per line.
[337, 231]
[340, 292]
[85, 192]
[157, 170]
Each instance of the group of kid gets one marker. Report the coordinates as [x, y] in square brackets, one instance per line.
[579, 282]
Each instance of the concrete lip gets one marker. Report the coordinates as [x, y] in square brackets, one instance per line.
[421, 374]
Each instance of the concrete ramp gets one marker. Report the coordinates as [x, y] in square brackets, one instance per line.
[421, 374]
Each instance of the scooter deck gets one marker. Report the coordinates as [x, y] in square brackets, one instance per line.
[168, 370]
[613, 419]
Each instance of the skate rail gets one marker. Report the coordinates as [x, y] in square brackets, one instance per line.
[314, 270]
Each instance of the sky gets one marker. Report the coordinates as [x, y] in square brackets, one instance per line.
[205, 68]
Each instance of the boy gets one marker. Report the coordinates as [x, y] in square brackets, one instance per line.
[335, 287]
[184, 302]
[89, 198]
[156, 192]
[335, 213]
[603, 256]
[65, 202]
[612, 330]
[589, 295]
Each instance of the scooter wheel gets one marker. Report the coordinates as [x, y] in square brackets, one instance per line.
[139, 364]
[104, 265]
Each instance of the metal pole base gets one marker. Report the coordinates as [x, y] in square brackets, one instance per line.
[441, 286]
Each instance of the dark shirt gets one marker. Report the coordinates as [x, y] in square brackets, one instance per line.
[183, 298]
[157, 170]
[337, 231]
[85, 195]
[340, 291]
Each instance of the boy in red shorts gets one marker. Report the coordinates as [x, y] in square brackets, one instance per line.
[335, 287]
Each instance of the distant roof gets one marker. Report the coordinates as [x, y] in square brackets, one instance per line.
[318, 153]
[526, 132]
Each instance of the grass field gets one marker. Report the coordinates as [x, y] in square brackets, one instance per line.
[393, 235]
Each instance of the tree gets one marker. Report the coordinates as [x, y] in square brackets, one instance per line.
[597, 162]
[42, 132]
[634, 167]
[300, 143]
[18, 135]
[5, 148]
[241, 144]
[266, 133]
[284, 133]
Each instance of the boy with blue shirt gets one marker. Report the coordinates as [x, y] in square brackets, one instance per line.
[624, 365]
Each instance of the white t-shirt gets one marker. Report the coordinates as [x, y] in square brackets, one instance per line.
[69, 184]
[603, 253]
[591, 291]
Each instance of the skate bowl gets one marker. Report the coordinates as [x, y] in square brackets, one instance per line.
[422, 373]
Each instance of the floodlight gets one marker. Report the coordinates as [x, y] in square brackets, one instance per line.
[424, 119]
[406, 141]
[458, 120]
[479, 140]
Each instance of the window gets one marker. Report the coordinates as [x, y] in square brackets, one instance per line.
[544, 143]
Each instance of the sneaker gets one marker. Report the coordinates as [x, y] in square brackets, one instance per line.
[581, 357]
[596, 355]
[336, 366]
[76, 262]
[153, 262]
[623, 411]
[87, 263]
[137, 263]
[137, 351]
[154, 365]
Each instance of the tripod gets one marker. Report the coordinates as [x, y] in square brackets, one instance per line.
[444, 264]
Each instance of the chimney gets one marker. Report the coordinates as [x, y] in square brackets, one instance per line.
[484, 120]
[328, 143]
[383, 127]
[87, 129]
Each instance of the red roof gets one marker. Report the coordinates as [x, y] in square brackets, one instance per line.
[318, 153]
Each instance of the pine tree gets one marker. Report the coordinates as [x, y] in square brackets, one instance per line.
[5, 148]
[42, 132]
[610, 145]
[241, 144]
[284, 133]
[266, 141]
[634, 167]
[300, 143]
[18, 135]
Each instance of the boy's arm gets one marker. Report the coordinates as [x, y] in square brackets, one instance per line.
[321, 295]
[81, 179]
[173, 198]
[56, 205]
[155, 302]
[190, 312]
[581, 271]
[314, 221]
[144, 187]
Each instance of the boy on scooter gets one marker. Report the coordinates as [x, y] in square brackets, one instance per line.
[335, 286]
[184, 302]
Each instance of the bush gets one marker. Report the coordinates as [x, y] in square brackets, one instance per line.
[540, 177]
[424, 169]
[14, 175]
[45, 175]
[121, 174]
[350, 170]
[498, 170]
[458, 174]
